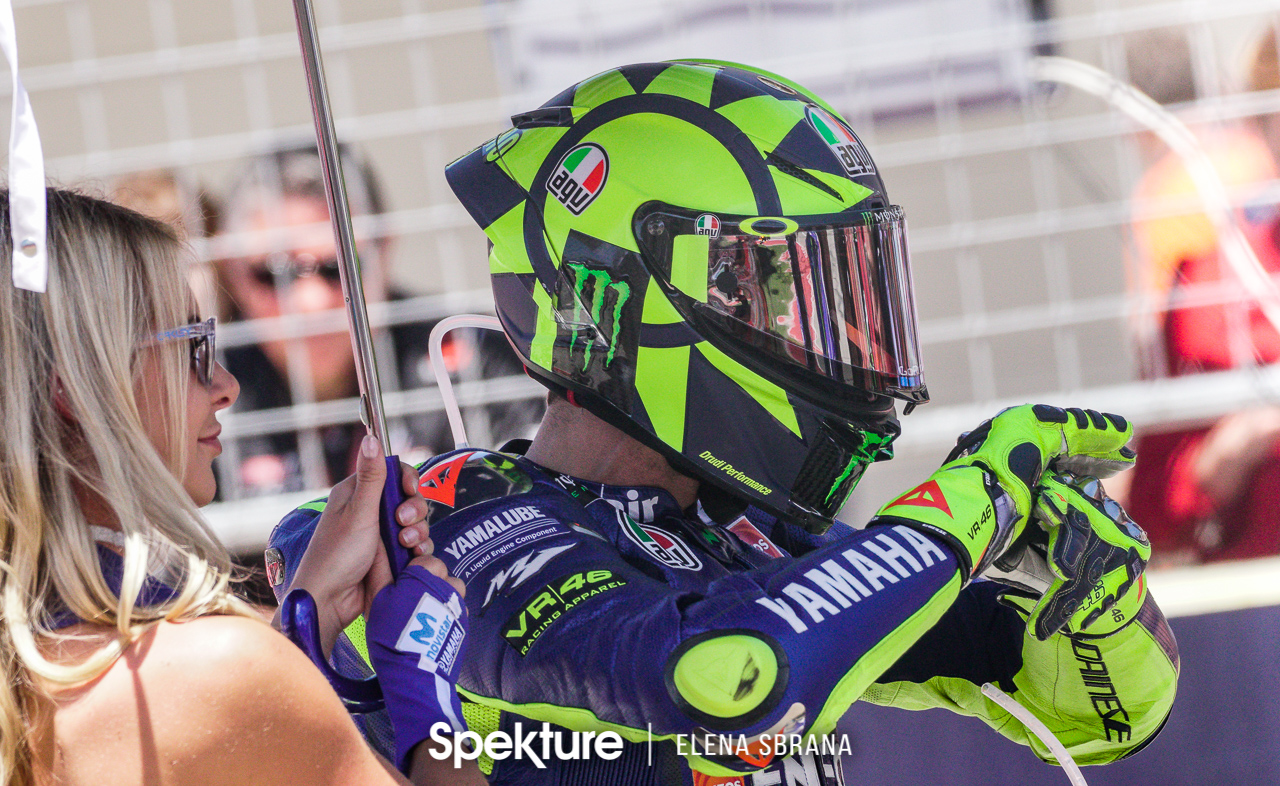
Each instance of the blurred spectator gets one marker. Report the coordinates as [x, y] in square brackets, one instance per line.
[167, 195]
[282, 260]
[164, 194]
[1208, 492]
[1264, 74]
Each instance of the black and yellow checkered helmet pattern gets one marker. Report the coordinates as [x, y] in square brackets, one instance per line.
[562, 196]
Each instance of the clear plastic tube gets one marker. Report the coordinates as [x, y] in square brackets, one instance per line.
[1039, 729]
[1213, 194]
[435, 346]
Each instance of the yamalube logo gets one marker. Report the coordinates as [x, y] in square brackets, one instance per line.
[848, 148]
[708, 225]
[580, 177]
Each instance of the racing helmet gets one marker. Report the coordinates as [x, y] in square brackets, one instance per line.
[703, 254]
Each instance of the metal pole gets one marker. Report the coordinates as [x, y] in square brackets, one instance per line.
[299, 616]
[344, 237]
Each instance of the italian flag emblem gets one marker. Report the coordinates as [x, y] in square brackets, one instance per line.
[580, 177]
[707, 224]
[843, 144]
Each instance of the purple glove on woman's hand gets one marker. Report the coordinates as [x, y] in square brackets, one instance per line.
[415, 633]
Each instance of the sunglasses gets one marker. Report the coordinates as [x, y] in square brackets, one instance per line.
[282, 268]
[203, 346]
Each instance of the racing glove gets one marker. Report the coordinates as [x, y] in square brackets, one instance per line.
[416, 629]
[981, 498]
[964, 506]
[1080, 569]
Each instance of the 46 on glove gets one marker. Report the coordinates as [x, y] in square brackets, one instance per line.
[981, 498]
[416, 630]
[1083, 561]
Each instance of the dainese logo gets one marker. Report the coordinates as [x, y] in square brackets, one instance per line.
[580, 177]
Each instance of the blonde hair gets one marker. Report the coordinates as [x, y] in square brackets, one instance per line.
[72, 422]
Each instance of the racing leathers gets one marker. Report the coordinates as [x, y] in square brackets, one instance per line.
[609, 608]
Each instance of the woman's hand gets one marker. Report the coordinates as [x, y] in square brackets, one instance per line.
[345, 564]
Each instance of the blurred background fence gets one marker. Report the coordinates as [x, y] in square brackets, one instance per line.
[1017, 190]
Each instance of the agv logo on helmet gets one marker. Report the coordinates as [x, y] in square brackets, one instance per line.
[579, 177]
[708, 225]
[848, 148]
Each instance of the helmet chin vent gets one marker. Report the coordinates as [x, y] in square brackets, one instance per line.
[834, 466]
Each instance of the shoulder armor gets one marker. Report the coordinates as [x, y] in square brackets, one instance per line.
[458, 480]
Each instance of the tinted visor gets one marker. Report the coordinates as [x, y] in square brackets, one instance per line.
[828, 294]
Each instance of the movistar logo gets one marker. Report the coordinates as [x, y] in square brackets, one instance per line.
[604, 293]
[427, 632]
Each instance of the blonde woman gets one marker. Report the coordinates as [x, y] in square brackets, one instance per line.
[126, 658]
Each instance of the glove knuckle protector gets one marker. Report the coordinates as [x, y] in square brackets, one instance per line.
[1016, 448]
[1020, 443]
[1097, 555]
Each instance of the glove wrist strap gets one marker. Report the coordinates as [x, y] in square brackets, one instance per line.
[961, 505]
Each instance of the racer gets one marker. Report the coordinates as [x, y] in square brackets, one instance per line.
[700, 261]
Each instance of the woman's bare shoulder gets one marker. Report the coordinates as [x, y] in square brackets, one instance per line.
[218, 699]
[224, 655]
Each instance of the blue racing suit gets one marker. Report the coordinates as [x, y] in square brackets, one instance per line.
[609, 608]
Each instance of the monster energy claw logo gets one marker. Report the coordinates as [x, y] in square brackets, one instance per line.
[602, 284]
[579, 177]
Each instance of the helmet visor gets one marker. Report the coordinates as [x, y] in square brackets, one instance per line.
[831, 294]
